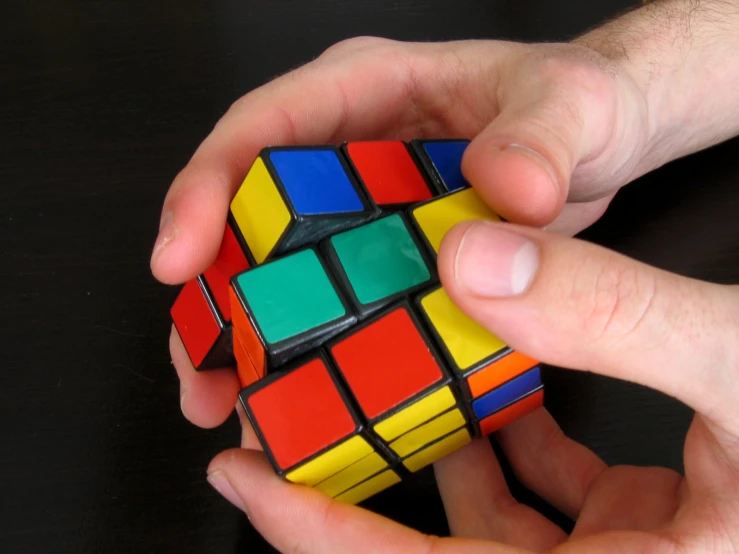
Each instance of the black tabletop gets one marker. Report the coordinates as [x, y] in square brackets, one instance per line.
[101, 103]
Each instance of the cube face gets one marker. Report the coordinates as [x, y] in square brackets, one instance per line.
[434, 219]
[443, 162]
[379, 262]
[295, 196]
[292, 304]
[389, 173]
[387, 363]
[300, 414]
[201, 326]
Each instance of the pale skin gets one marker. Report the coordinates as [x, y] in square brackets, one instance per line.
[556, 131]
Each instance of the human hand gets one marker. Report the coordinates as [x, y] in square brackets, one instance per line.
[574, 305]
[555, 129]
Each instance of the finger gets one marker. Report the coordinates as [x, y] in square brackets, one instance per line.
[557, 117]
[249, 439]
[207, 398]
[294, 518]
[575, 218]
[576, 305]
[547, 462]
[324, 101]
[479, 504]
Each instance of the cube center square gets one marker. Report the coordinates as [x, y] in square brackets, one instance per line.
[388, 172]
[295, 196]
[379, 262]
[293, 305]
[435, 218]
[388, 365]
[301, 413]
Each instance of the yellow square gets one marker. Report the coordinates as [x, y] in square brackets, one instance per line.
[260, 212]
[369, 488]
[427, 433]
[467, 341]
[331, 462]
[417, 413]
[437, 217]
[438, 450]
[352, 475]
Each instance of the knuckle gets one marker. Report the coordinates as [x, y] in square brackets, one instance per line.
[615, 300]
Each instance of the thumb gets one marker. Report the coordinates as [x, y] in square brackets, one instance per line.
[576, 305]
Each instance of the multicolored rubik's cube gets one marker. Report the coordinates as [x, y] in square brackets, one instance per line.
[356, 367]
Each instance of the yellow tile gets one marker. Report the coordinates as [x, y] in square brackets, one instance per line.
[331, 462]
[352, 475]
[437, 217]
[415, 414]
[370, 487]
[259, 211]
[467, 341]
[428, 432]
[438, 450]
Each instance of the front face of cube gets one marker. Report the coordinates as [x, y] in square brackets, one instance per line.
[401, 387]
[494, 380]
[286, 307]
[379, 262]
[310, 433]
[434, 219]
[293, 197]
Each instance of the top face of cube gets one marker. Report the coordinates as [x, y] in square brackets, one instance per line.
[466, 342]
[387, 362]
[436, 217]
[299, 412]
[388, 172]
[290, 296]
[379, 261]
[444, 158]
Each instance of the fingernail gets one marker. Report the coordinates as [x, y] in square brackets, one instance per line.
[167, 232]
[537, 158]
[492, 262]
[220, 482]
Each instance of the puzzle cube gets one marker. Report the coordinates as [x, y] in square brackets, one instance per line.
[442, 162]
[389, 173]
[286, 307]
[295, 196]
[435, 218]
[202, 312]
[311, 433]
[379, 262]
[491, 376]
[401, 387]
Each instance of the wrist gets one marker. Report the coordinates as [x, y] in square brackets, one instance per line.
[681, 60]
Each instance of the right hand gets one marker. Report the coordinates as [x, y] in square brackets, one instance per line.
[555, 131]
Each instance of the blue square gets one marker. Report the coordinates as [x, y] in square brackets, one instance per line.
[447, 159]
[316, 182]
[507, 394]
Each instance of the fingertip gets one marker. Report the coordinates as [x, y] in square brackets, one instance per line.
[516, 181]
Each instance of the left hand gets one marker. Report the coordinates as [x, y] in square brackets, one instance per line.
[575, 305]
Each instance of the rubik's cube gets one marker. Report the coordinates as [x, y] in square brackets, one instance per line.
[357, 368]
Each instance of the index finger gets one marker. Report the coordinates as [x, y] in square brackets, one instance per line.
[353, 91]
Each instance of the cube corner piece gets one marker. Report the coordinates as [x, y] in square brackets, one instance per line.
[294, 196]
[441, 160]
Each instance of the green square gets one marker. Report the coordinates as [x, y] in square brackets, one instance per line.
[290, 296]
[380, 259]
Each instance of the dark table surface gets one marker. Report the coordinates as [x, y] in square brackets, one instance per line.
[101, 103]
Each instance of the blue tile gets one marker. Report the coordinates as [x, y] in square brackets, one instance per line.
[316, 182]
[447, 159]
[499, 398]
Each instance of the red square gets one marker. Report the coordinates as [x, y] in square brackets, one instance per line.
[388, 172]
[387, 362]
[196, 322]
[230, 261]
[300, 413]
